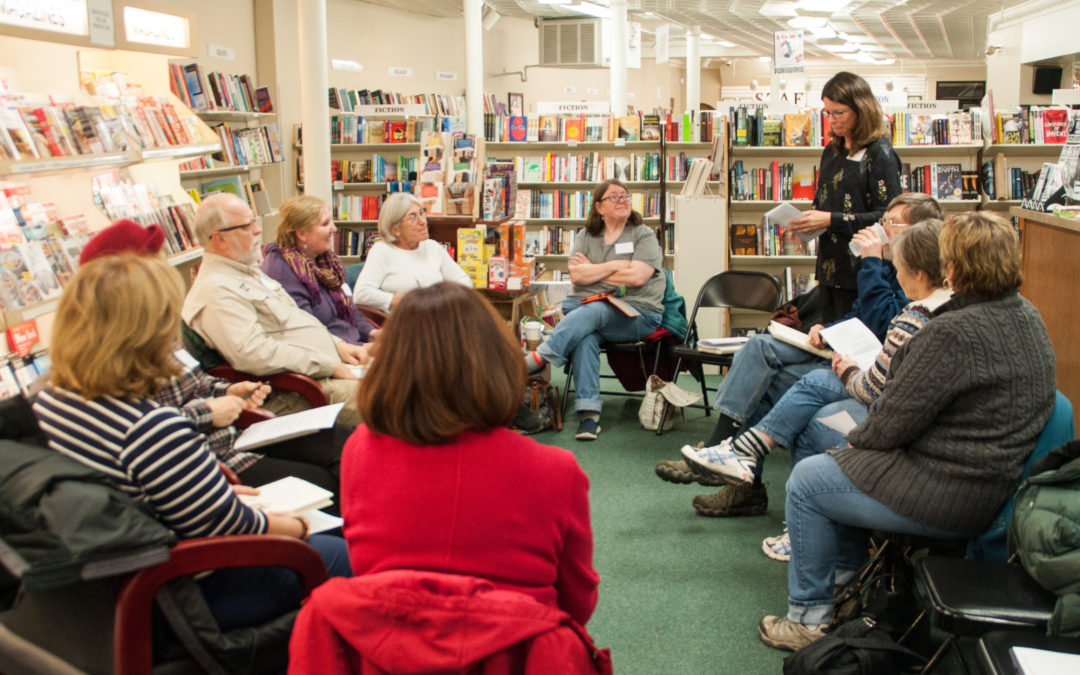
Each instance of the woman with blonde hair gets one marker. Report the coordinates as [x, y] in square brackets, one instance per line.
[304, 262]
[945, 442]
[405, 258]
[860, 174]
[117, 328]
[445, 383]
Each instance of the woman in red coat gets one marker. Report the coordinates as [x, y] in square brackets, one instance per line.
[434, 480]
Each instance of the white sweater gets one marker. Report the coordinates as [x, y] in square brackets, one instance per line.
[390, 270]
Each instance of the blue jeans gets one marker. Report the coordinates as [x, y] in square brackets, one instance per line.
[579, 335]
[828, 519]
[249, 596]
[799, 406]
[816, 438]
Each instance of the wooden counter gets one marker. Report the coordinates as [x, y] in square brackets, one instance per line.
[1051, 263]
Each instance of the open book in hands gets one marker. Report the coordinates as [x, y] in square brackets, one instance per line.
[285, 427]
[796, 338]
[296, 496]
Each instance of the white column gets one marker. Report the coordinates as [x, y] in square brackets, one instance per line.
[314, 102]
[619, 45]
[693, 67]
[474, 67]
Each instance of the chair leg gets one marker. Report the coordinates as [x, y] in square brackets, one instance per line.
[941, 651]
[568, 387]
[705, 391]
[663, 417]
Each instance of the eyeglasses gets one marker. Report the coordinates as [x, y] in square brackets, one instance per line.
[835, 113]
[245, 226]
[415, 216]
[620, 199]
[889, 222]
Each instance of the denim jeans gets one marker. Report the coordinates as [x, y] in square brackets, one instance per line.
[578, 337]
[799, 406]
[828, 519]
[248, 596]
[817, 437]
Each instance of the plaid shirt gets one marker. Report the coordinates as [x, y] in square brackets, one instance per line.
[189, 393]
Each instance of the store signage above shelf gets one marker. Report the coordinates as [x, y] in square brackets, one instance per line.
[573, 108]
[59, 16]
[396, 109]
[156, 28]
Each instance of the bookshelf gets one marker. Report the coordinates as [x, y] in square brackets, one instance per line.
[1022, 159]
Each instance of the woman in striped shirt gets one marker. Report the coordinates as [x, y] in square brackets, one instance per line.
[117, 327]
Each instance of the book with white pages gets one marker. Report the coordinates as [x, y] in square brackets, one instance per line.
[784, 213]
[297, 496]
[288, 426]
[854, 340]
[1031, 661]
[796, 338]
[728, 345]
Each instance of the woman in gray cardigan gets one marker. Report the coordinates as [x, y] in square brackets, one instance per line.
[943, 446]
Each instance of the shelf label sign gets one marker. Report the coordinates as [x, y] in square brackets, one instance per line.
[445, 76]
[573, 107]
[219, 52]
[54, 16]
[409, 109]
[346, 64]
[156, 28]
[787, 52]
[22, 337]
[931, 106]
[102, 25]
[398, 71]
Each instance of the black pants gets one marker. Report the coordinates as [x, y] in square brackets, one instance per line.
[315, 458]
[835, 303]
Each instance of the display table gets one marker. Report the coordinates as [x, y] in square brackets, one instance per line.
[1051, 251]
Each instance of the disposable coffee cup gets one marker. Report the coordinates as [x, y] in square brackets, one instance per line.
[533, 330]
[879, 230]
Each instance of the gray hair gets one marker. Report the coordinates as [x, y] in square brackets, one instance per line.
[916, 248]
[392, 212]
[211, 216]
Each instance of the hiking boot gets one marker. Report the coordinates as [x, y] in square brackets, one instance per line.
[783, 633]
[723, 461]
[733, 500]
[676, 471]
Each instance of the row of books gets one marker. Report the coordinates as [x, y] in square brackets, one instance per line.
[377, 169]
[256, 145]
[252, 191]
[560, 240]
[121, 197]
[750, 126]
[1000, 181]
[597, 128]
[350, 242]
[778, 181]
[217, 91]
[347, 100]
[767, 239]
[942, 181]
[1031, 124]
[575, 204]
[954, 128]
[793, 284]
[17, 374]
[31, 131]
[351, 129]
[587, 167]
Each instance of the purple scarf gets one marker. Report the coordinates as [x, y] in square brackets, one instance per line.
[324, 271]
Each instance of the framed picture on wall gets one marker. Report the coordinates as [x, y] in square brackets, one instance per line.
[516, 104]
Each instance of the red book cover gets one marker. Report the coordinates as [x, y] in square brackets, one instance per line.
[42, 124]
[1055, 125]
[395, 132]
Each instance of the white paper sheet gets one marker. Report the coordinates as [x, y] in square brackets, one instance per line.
[854, 340]
[841, 421]
[288, 426]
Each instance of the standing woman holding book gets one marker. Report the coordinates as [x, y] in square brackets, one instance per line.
[117, 327]
[304, 262]
[616, 254]
[860, 175]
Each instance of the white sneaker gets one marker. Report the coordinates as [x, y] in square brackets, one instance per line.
[778, 547]
[721, 460]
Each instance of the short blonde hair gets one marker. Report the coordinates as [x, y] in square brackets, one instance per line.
[298, 214]
[117, 327]
[393, 210]
[983, 251]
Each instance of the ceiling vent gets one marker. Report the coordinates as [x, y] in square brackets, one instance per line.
[570, 43]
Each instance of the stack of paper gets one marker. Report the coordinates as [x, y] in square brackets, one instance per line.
[296, 496]
[728, 345]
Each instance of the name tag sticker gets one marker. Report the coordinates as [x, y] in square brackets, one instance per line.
[624, 248]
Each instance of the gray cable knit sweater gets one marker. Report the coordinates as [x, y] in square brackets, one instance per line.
[964, 402]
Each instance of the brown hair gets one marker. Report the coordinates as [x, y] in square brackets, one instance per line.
[446, 363]
[916, 248]
[298, 214]
[117, 326]
[594, 223]
[851, 90]
[918, 206]
[983, 251]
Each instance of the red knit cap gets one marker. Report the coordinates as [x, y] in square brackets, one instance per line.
[123, 236]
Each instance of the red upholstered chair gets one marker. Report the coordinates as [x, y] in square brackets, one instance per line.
[377, 317]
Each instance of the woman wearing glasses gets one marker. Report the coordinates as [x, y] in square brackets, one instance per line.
[615, 254]
[860, 174]
[304, 262]
[405, 258]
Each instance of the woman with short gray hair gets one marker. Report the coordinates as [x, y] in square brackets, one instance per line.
[405, 258]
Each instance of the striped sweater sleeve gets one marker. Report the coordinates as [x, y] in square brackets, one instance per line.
[168, 459]
[866, 385]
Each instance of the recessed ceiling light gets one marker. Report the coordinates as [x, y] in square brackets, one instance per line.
[863, 57]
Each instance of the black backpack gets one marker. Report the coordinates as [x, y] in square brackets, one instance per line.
[540, 410]
[857, 647]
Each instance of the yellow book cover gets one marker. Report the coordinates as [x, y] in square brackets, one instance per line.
[470, 245]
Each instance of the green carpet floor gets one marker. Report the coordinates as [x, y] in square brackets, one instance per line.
[679, 593]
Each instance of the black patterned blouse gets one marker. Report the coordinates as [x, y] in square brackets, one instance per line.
[856, 192]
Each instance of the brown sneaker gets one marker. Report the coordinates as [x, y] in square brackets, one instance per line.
[676, 471]
[733, 500]
[783, 633]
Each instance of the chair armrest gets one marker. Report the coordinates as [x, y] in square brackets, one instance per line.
[249, 417]
[131, 633]
[377, 317]
[295, 382]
